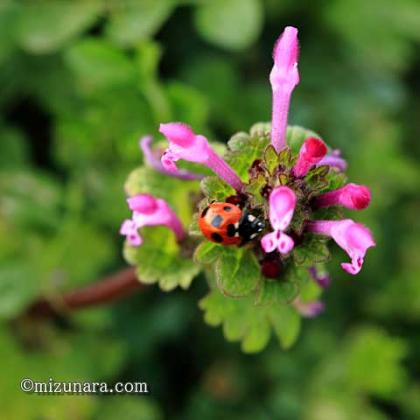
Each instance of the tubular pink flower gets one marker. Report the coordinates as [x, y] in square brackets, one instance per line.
[353, 237]
[130, 231]
[334, 160]
[150, 211]
[311, 152]
[185, 144]
[282, 205]
[153, 159]
[351, 196]
[309, 309]
[283, 78]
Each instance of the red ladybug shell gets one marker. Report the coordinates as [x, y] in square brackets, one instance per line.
[219, 223]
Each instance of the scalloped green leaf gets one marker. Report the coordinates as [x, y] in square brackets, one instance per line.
[254, 188]
[271, 158]
[250, 324]
[276, 291]
[286, 324]
[215, 189]
[314, 252]
[159, 260]
[243, 149]
[207, 252]
[237, 271]
[285, 157]
[261, 130]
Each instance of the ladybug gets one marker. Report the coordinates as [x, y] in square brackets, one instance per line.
[228, 224]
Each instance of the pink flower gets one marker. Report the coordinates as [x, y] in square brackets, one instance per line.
[130, 230]
[309, 309]
[351, 196]
[311, 152]
[334, 160]
[185, 144]
[353, 237]
[282, 205]
[283, 78]
[149, 211]
[153, 159]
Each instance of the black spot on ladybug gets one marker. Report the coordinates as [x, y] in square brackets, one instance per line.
[204, 212]
[231, 230]
[216, 237]
[217, 221]
[227, 208]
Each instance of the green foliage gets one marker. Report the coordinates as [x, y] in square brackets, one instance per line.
[98, 64]
[242, 150]
[237, 271]
[374, 363]
[81, 82]
[131, 22]
[44, 27]
[214, 187]
[315, 251]
[244, 321]
[241, 21]
[160, 260]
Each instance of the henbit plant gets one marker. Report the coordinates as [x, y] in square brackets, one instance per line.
[288, 177]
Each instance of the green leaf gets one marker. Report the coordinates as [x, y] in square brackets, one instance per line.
[44, 27]
[207, 252]
[215, 189]
[243, 321]
[310, 291]
[237, 271]
[232, 24]
[99, 64]
[335, 180]
[314, 251]
[286, 323]
[271, 158]
[159, 260]
[254, 187]
[261, 130]
[373, 362]
[276, 291]
[131, 22]
[243, 149]
[285, 157]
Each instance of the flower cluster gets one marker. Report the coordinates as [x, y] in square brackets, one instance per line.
[289, 187]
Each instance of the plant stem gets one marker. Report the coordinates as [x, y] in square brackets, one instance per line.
[111, 288]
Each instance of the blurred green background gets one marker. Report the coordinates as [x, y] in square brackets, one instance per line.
[81, 81]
